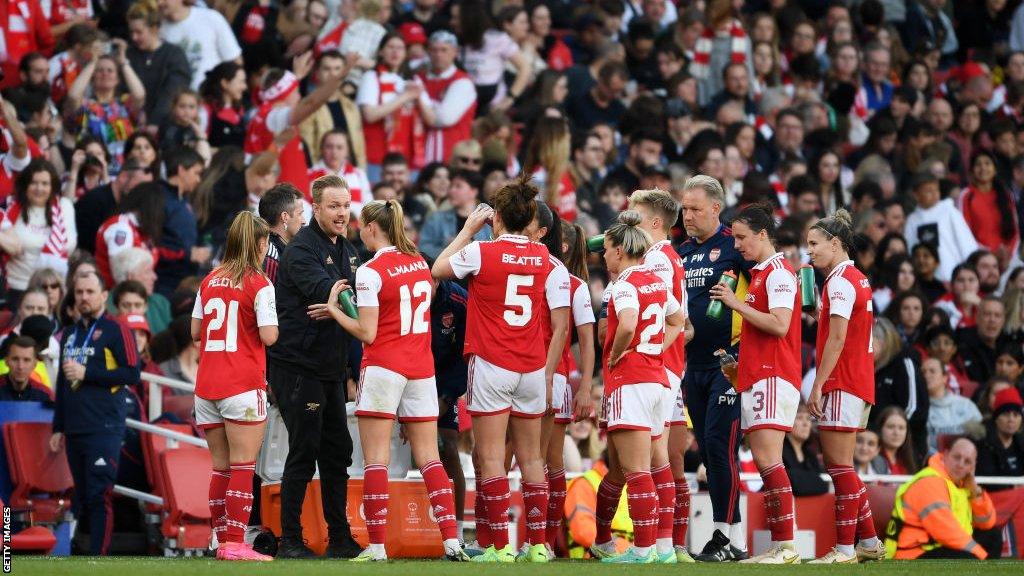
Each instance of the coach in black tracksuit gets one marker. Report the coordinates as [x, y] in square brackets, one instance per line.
[307, 371]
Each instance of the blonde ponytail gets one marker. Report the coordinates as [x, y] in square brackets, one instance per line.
[627, 234]
[242, 253]
[391, 219]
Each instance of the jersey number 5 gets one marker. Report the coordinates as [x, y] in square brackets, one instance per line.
[415, 322]
[217, 308]
[514, 299]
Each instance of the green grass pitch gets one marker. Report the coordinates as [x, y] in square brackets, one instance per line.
[25, 566]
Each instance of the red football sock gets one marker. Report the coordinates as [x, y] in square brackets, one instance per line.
[483, 529]
[865, 521]
[535, 500]
[681, 514]
[375, 501]
[778, 494]
[556, 504]
[847, 490]
[238, 501]
[442, 499]
[218, 487]
[608, 495]
[497, 496]
[665, 485]
[643, 508]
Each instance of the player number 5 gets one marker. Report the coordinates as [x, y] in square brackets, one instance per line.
[514, 299]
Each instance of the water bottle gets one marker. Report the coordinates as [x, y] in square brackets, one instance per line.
[346, 299]
[808, 290]
[716, 308]
[596, 243]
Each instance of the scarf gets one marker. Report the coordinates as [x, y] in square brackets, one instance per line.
[700, 67]
[55, 250]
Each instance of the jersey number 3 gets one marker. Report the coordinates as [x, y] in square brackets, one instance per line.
[415, 322]
[217, 309]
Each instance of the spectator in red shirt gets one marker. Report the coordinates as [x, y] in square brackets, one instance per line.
[989, 209]
[25, 29]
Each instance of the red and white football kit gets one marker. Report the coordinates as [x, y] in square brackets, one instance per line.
[231, 382]
[768, 376]
[397, 377]
[117, 234]
[849, 391]
[582, 313]
[358, 184]
[663, 260]
[511, 281]
[635, 387]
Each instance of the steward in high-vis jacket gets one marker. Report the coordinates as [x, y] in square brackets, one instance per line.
[937, 510]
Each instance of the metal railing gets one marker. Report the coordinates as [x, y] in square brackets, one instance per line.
[156, 398]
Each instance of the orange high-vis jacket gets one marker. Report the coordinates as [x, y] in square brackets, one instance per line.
[937, 512]
[580, 506]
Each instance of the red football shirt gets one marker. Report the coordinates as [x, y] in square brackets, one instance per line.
[232, 357]
[637, 288]
[762, 355]
[582, 313]
[847, 293]
[399, 286]
[512, 283]
[663, 260]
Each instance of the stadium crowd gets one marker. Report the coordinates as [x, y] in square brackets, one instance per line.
[136, 132]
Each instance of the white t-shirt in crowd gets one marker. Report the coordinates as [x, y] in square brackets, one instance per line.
[205, 37]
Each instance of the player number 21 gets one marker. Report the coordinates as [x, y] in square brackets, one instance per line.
[217, 308]
[415, 322]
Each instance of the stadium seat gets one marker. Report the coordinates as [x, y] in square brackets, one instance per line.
[41, 478]
[153, 446]
[32, 540]
[186, 482]
[881, 498]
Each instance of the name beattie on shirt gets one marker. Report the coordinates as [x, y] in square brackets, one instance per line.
[522, 260]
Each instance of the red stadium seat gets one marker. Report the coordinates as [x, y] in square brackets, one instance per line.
[186, 481]
[153, 446]
[32, 540]
[41, 478]
[881, 498]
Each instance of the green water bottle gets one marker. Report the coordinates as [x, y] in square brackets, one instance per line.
[347, 301]
[596, 243]
[808, 290]
[716, 308]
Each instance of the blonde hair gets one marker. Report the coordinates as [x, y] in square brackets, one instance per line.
[660, 202]
[1013, 299]
[710, 186]
[627, 234]
[323, 183]
[887, 341]
[242, 253]
[391, 219]
[550, 148]
[147, 11]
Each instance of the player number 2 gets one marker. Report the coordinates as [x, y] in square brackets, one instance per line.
[514, 299]
[415, 322]
[217, 309]
[652, 312]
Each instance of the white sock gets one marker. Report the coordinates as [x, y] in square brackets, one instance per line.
[664, 545]
[377, 549]
[787, 544]
[723, 528]
[461, 532]
[644, 551]
[608, 546]
[737, 536]
[870, 542]
[846, 549]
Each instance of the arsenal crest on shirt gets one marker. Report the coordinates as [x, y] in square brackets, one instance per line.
[448, 319]
[714, 254]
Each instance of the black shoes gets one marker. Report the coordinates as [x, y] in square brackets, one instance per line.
[344, 547]
[293, 549]
[719, 549]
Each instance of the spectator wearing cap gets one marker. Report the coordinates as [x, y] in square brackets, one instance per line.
[19, 384]
[140, 329]
[100, 203]
[644, 151]
[1001, 451]
[937, 221]
[452, 99]
[600, 104]
[415, 36]
[975, 84]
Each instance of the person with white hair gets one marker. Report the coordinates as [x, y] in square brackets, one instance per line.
[137, 264]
